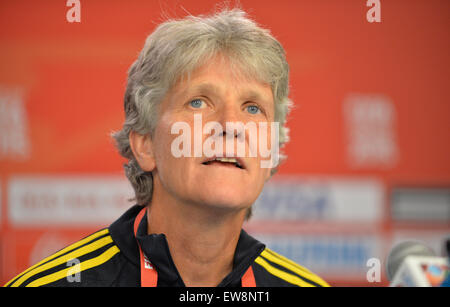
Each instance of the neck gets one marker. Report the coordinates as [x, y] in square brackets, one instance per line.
[202, 240]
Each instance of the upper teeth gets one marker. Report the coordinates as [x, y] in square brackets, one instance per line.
[228, 160]
[232, 160]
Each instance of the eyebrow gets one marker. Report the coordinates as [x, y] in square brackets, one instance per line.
[255, 96]
[210, 89]
[204, 88]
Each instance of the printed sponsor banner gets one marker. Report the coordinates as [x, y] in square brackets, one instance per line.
[329, 255]
[327, 199]
[421, 204]
[87, 200]
[67, 201]
[14, 136]
[370, 121]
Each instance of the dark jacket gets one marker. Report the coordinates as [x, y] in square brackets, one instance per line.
[110, 258]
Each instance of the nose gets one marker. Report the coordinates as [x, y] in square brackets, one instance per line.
[230, 113]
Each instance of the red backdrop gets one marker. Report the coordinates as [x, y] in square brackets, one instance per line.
[371, 102]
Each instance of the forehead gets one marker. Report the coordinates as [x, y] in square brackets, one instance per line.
[221, 76]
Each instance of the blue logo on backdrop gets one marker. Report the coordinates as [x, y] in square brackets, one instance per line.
[291, 201]
[323, 254]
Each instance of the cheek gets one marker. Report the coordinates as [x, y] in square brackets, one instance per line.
[162, 138]
[268, 145]
[170, 166]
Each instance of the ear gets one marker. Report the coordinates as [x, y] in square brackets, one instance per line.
[142, 147]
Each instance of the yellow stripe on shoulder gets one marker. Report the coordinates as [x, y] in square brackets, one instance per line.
[99, 243]
[63, 251]
[292, 279]
[88, 264]
[292, 266]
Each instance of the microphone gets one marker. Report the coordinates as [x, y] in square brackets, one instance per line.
[446, 282]
[413, 264]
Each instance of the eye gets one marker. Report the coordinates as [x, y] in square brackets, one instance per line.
[253, 109]
[197, 104]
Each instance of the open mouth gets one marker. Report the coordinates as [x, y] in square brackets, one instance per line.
[225, 162]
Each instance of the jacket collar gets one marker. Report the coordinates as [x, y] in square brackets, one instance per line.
[156, 248]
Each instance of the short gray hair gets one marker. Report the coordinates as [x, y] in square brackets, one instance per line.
[178, 47]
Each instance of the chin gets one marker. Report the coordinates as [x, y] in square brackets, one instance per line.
[226, 197]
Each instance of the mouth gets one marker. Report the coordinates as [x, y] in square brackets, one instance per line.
[224, 161]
